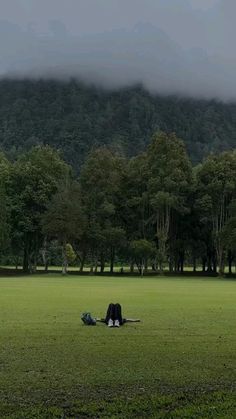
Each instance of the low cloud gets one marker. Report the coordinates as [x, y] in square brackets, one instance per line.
[171, 47]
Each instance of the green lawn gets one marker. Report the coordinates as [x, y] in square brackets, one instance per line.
[179, 362]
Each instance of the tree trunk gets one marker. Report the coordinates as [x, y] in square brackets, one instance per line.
[146, 266]
[112, 260]
[154, 267]
[214, 262]
[218, 224]
[35, 253]
[64, 259]
[92, 264]
[171, 264]
[221, 267]
[44, 254]
[176, 264]
[230, 260]
[209, 263]
[161, 257]
[162, 233]
[142, 268]
[182, 262]
[96, 266]
[139, 266]
[81, 268]
[26, 258]
[102, 263]
[31, 268]
[178, 267]
[220, 258]
[132, 267]
[35, 261]
[203, 264]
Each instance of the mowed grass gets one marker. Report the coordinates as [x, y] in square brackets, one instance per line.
[180, 361]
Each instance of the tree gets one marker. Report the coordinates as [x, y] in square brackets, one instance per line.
[229, 234]
[141, 251]
[65, 219]
[115, 239]
[70, 254]
[169, 181]
[135, 206]
[217, 188]
[4, 203]
[34, 178]
[100, 182]
[4, 219]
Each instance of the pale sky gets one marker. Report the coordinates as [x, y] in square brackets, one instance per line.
[171, 46]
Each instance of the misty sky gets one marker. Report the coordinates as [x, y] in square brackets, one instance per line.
[171, 46]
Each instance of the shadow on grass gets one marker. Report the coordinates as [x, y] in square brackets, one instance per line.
[19, 272]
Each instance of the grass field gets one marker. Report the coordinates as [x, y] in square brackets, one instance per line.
[179, 362]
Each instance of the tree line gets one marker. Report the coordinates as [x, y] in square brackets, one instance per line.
[155, 211]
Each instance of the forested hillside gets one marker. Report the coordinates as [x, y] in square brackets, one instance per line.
[74, 118]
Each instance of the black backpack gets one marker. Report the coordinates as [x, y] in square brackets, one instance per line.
[87, 319]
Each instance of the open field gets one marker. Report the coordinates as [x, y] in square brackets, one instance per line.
[179, 362]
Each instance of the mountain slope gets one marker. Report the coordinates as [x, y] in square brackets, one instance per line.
[74, 118]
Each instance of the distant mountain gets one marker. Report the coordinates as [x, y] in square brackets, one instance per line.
[74, 118]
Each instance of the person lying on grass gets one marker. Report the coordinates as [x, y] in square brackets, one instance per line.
[113, 317]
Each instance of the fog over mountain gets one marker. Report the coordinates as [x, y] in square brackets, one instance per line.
[171, 46]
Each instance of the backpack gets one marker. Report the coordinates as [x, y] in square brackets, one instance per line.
[88, 320]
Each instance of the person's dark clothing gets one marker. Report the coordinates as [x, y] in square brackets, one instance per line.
[114, 313]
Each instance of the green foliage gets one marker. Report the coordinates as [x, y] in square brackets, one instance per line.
[64, 218]
[4, 204]
[34, 178]
[70, 254]
[4, 219]
[216, 184]
[229, 229]
[100, 180]
[168, 185]
[141, 251]
[154, 198]
[75, 118]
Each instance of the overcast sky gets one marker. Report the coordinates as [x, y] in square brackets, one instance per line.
[171, 46]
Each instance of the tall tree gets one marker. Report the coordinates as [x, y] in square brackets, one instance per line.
[34, 178]
[229, 234]
[65, 219]
[135, 207]
[169, 180]
[4, 203]
[217, 189]
[100, 181]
